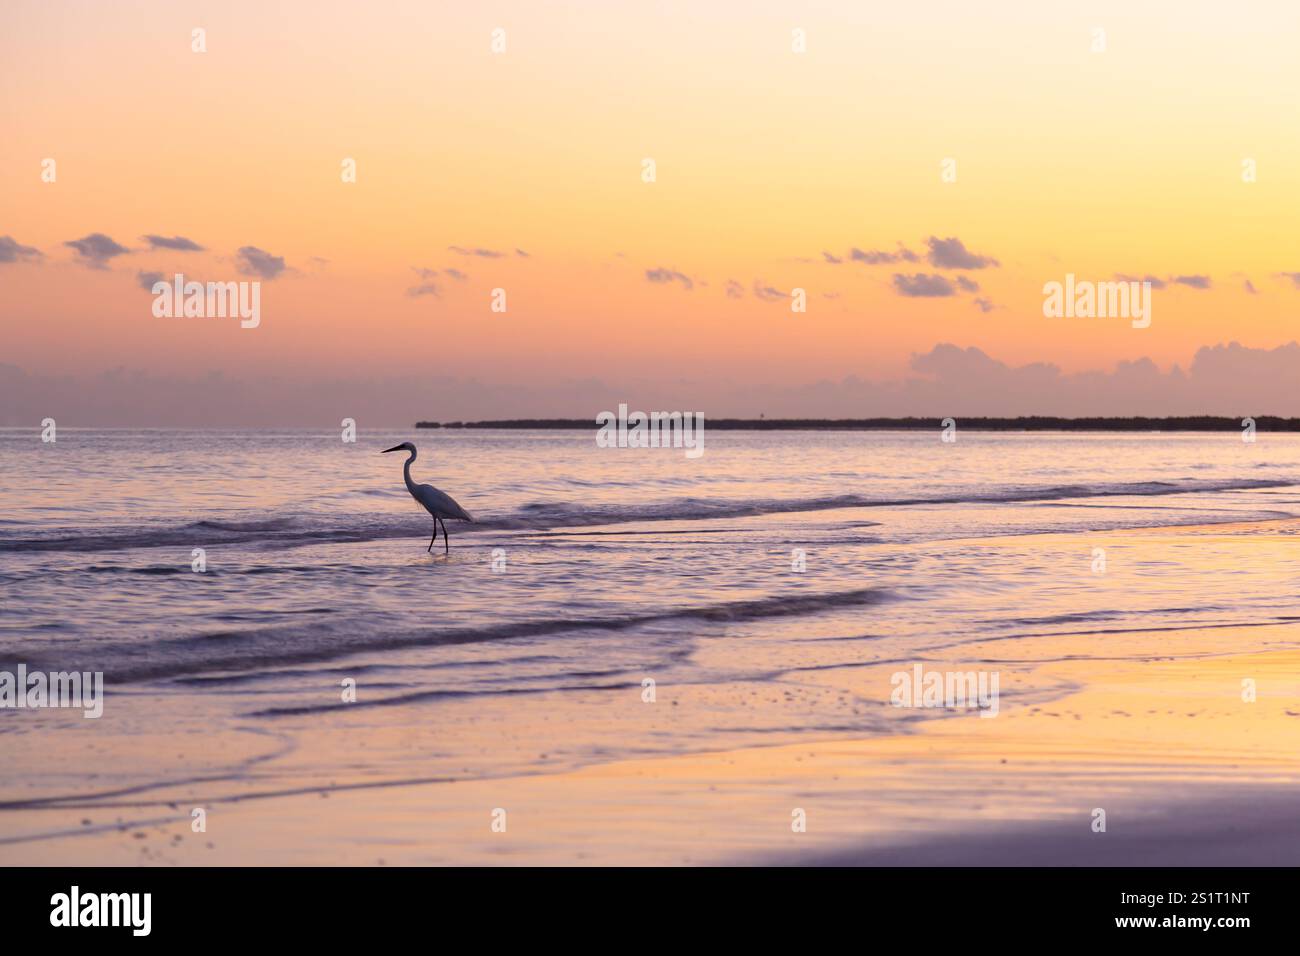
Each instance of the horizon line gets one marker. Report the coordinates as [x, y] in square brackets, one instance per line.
[984, 423]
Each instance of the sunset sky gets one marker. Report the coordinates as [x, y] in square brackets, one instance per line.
[522, 170]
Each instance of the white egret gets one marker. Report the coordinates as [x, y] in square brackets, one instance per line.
[438, 503]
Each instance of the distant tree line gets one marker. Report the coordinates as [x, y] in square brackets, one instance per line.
[1186, 423]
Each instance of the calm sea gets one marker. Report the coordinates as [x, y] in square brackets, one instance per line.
[728, 580]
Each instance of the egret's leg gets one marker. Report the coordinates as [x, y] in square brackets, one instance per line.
[445, 547]
[435, 535]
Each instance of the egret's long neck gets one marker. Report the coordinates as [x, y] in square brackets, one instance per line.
[406, 470]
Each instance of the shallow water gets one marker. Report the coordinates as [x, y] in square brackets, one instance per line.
[588, 572]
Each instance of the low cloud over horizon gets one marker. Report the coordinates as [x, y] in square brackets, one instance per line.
[1227, 379]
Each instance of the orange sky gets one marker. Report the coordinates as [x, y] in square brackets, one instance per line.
[1096, 163]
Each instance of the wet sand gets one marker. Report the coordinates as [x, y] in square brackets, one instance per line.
[1152, 728]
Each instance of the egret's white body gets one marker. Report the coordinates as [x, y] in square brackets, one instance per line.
[439, 504]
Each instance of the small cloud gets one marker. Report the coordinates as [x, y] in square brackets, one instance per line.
[427, 286]
[96, 249]
[430, 274]
[175, 243]
[480, 253]
[968, 285]
[11, 251]
[521, 254]
[923, 286]
[984, 305]
[662, 275]
[253, 261]
[1293, 276]
[1250, 287]
[833, 260]
[1156, 281]
[735, 290]
[873, 257]
[951, 253]
[146, 279]
[767, 293]
[1193, 282]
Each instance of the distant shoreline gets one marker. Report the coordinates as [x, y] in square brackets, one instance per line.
[1190, 423]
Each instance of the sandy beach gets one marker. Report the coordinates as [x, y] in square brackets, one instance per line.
[1148, 725]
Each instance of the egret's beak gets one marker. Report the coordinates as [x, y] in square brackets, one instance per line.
[394, 448]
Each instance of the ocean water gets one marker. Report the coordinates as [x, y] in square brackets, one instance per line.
[761, 587]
